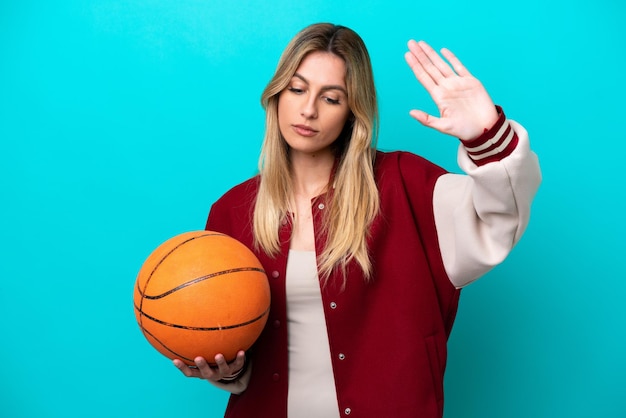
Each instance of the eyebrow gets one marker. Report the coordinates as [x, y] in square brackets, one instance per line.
[324, 88]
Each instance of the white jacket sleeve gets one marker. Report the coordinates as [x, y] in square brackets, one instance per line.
[482, 215]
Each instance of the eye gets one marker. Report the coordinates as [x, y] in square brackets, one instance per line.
[295, 90]
[330, 100]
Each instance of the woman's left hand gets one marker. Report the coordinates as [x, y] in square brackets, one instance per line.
[465, 107]
[222, 371]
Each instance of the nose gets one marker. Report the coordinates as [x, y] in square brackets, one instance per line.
[309, 108]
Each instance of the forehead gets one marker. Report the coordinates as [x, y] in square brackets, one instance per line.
[323, 69]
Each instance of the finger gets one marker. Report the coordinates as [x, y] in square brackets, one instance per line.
[436, 59]
[420, 73]
[422, 117]
[459, 68]
[204, 370]
[240, 360]
[425, 63]
[431, 61]
[428, 120]
[186, 370]
[222, 365]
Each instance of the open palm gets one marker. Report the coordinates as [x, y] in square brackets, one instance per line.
[465, 108]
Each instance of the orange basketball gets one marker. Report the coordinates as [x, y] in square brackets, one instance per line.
[199, 294]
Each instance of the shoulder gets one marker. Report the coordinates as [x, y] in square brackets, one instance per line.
[241, 194]
[234, 208]
[405, 165]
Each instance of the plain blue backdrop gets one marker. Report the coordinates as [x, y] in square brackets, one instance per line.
[122, 121]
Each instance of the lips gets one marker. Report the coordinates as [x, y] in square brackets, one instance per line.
[304, 130]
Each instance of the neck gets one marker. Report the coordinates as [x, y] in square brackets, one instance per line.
[311, 173]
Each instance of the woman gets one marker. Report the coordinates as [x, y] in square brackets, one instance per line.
[366, 252]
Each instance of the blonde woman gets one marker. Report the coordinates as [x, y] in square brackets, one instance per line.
[366, 252]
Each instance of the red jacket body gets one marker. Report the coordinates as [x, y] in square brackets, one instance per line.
[387, 336]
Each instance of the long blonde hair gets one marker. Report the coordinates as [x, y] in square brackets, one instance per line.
[353, 198]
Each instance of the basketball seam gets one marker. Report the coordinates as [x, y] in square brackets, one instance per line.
[191, 328]
[178, 355]
[200, 279]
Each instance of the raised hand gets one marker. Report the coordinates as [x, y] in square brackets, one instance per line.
[465, 108]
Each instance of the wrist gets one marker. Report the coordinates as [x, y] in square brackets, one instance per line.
[235, 376]
[496, 142]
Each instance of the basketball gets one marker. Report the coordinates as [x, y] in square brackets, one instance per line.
[199, 294]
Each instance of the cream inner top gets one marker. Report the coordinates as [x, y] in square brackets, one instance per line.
[311, 382]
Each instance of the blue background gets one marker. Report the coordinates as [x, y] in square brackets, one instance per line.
[122, 121]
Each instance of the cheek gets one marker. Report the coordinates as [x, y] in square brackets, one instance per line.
[338, 122]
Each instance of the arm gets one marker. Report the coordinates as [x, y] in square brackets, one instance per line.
[480, 217]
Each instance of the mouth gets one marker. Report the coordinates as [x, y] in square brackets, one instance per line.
[304, 130]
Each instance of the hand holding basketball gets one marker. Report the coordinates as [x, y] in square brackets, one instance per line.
[202, 370]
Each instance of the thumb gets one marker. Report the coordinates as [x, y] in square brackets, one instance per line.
[426, 119]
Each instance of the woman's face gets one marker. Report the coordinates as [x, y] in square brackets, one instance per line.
[313, 109]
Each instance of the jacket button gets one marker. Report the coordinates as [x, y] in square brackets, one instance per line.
[342, 356]
[275, 274]
[333, 305]
[347, 411]
[275, 377]
[276, 324]
[321, 206]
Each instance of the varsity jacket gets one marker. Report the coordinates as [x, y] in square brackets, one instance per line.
[436, 232]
